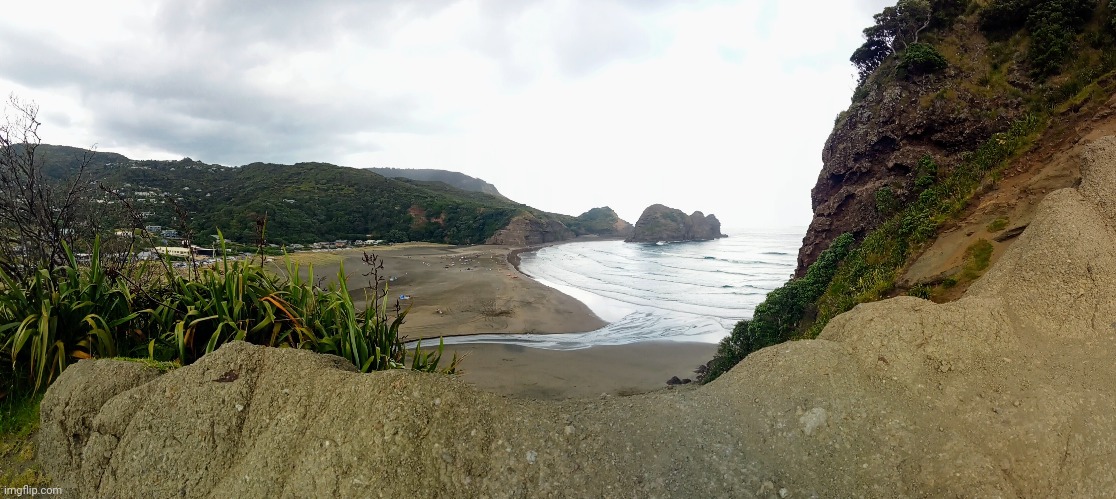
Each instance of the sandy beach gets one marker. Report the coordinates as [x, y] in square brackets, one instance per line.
[618, 370]
[456, 290]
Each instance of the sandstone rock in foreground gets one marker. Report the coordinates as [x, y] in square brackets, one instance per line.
[1006, 392]
[662, 223]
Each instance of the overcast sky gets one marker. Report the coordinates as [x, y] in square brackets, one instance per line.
[718, 106]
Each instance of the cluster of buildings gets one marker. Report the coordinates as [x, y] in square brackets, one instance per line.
[340, 243]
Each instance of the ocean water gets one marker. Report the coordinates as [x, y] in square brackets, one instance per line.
[694, 291]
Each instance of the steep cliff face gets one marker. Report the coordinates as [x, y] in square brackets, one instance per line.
[662, 223]
[895, 121]
[527, 230]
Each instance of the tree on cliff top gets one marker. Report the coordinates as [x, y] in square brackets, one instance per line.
[895, 28]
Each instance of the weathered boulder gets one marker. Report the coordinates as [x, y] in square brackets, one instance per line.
[662, 223]
[68, 413]
[1005, 392]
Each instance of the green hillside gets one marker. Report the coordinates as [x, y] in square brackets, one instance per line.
[453, 179]
[303, 203]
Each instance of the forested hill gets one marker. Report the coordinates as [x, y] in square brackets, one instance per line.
[305, 202]
[453, 179]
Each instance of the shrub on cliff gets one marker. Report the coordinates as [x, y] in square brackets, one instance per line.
[897, 29]
[1053, 26]
[779, 317]
[869, 272]
[921, 58]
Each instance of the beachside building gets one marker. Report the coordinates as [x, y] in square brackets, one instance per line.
[174, 251]
[181, 252]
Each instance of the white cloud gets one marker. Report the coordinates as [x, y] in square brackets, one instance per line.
[717, 106]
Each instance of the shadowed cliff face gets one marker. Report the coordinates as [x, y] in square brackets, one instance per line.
[662, 223]
[897, 120]
[1004, 392]
[527, 230]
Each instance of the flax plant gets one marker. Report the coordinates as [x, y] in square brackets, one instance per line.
[58, 316]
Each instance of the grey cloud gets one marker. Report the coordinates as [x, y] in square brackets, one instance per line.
[583, 38]
[184, 83]
[872, 7]
[201, 101]
[596, 37]
[287, 23]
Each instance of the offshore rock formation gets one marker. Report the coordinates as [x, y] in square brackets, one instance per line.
[662, 223]
[527, 230]
[1004, 392]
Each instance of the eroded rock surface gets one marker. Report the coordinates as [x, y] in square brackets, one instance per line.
[1006, 392]
[528, 230]
[662, 223]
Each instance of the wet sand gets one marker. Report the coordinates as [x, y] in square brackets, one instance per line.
[620, 370]
[469, 290]
[456, 290]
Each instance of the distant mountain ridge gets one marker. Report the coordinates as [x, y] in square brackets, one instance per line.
[451, 178]
[309, 202]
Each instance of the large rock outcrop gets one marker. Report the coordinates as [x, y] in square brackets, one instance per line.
[601, 221]
[527, 230]
[662, 223]
[1005, 392]
[893, 123]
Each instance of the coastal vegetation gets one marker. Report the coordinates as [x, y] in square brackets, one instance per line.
[782, 314]
[1064, 48]
[302, 203]
[83, 310]
[63, 297]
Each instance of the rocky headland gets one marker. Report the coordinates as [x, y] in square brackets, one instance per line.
[663, 223]
[527, 230]
[1004, 392]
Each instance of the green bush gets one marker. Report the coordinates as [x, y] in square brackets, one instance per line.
[56, 317]
[887, 203]
[77, 311]
[1052, 24]
[926, 174]
[1003, 16]
[781, 314]
[919, 291]
[921, 58]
